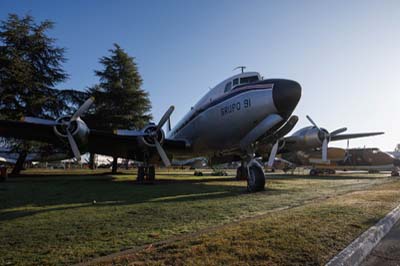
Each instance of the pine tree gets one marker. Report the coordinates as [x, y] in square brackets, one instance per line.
[30, 67]
[120, 100]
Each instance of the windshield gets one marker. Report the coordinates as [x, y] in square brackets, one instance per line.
[250, 79]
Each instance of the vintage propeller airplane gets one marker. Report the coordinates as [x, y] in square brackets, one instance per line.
[317, 138]
[227, 124]
[358, 159]
[309, 145]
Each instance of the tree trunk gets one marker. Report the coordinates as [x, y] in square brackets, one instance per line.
[92, 161]
[114, 165]
[19, 164]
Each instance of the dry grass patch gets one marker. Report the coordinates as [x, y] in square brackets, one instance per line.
[51, 220]
[306, 235]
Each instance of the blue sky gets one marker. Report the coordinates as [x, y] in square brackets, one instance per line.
[345, 54]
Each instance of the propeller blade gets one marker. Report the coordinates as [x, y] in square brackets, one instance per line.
[84, 107]
[355, 135]
[338, 131]
[312, 122]
[273, 154]
[162, 153]
[165, 118]
[35, 120]
[325, 150]
[74, 146]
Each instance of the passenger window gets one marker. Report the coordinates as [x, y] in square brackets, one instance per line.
[235, 82]
[228, 87]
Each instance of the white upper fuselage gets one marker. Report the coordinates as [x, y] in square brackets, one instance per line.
[226, 113]
[212, 95]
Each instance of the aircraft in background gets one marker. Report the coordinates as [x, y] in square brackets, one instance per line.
[311, 140]
[359, 159]
[198, 162]
[11, 157]
[228, 123]
[282, 164]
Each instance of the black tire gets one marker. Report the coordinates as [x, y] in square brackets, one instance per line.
[256, 179]
[313, 172]
[151, 174]
[140, 175]
[395, 173]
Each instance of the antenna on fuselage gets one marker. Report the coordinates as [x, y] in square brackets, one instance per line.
[241, 67]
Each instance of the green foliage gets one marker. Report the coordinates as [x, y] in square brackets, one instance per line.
[120, 101]
[30, 68]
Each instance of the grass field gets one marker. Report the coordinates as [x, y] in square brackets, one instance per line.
[49, 218]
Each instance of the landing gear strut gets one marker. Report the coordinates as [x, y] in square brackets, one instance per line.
[241, 173]
[146, 175]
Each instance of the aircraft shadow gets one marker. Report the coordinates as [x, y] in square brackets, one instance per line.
[51, 195]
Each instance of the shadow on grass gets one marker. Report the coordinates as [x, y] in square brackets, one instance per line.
[52, 194]
[68, 174]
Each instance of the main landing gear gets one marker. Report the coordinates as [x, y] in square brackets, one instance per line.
[241, 173]
[254, 174]
[146, 175]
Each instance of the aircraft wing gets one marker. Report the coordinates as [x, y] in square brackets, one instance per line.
[355, 135]
[28, 131]
[99, 141]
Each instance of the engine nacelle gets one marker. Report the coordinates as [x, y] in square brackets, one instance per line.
[150, 131]
[309, 137]
[79, 130]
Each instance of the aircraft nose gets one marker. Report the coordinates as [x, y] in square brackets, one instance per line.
[286, 95]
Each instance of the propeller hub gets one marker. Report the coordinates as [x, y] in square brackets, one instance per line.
[152, 134]
[322, 134]
[65, 124]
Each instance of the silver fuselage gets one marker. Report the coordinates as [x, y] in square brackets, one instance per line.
[219, 121]
[221, 124]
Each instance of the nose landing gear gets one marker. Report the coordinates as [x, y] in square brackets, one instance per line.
[256, 177]
[253, 173]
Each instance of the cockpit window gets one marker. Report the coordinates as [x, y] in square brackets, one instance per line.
[250, 79]
[228, 87]
[235, 82]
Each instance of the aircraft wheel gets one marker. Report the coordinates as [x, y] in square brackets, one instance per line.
[241, 173]
[395, 173]
[140, 175]
[313, 172]
[256, 179]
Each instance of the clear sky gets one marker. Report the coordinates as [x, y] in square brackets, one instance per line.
[345, 54]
